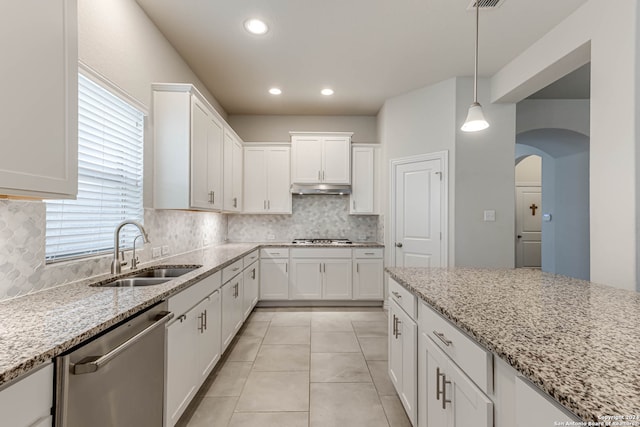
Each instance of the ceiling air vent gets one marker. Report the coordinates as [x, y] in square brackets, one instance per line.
[485, 4]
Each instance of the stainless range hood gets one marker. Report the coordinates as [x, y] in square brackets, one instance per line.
[320, 189]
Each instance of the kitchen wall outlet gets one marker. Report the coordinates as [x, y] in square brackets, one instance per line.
[165, 250]
[271, 237]
[155, 252]
[490, 215]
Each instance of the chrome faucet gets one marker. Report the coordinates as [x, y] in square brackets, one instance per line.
[116, 266]
[134, 258]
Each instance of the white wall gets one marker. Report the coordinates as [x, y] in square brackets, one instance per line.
[481, 169]
[570, 114]
[419, 122]
[266, 128]
[529, 171]
[610, 29]
[485, 175]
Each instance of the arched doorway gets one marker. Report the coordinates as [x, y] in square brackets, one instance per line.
[564, 209]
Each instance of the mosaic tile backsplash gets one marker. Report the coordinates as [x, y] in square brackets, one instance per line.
[22, 233]
[313, 216]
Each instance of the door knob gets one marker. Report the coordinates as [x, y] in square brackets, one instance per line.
[519, 236]
[398, 245]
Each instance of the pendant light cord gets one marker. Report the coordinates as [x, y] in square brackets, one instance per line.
[475, 75]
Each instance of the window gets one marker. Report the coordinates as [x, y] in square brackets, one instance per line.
[110, 159]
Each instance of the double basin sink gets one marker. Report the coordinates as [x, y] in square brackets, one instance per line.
[148, 277]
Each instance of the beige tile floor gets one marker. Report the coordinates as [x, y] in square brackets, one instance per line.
[311, 367]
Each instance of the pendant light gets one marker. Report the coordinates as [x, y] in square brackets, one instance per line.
[475, 118]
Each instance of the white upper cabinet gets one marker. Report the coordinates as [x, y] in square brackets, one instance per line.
[364, 180]
[187, 151]
[267, 179]
[39, 104]
[321, 158]
[232, 172]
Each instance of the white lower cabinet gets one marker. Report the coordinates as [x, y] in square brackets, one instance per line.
[321, 274]
[368, 271]
[193, 344]
[251, 288]
[403, 369]
[27, 401]
[535, 409]
[274, 274]
[232, 311]
[451, 398]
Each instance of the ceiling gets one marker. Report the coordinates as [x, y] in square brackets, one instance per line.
[366, 50]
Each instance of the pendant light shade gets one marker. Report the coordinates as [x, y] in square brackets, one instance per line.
[475, 118]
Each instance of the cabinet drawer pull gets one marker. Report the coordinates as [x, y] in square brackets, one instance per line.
[235, 269]
[396, 294]
[182, 318]
[369, 253]
[442, 338]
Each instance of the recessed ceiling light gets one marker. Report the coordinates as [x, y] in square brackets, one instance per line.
[256, 26]
[275, 91]
[327, 92]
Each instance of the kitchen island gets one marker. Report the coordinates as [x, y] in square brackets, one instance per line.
[577, 341]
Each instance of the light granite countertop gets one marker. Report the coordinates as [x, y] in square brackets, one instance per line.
[576, 340]
[36, 328]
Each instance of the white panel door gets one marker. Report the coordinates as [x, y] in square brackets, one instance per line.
[368, 279]
[279, 180]
[199, 155]
[209, 311]
[362, 176]
[528, 227]
[306, 278]
[306, 160]
[336, 162]
[274, 279]
[337, 279]
[215, 135]
[417, 207]
[255, 179]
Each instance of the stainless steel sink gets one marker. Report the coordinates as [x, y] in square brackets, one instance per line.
[150, 277]
[165, 272]
[136, 281]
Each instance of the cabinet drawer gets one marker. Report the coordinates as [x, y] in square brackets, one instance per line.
[404, 298]
[182, 302]
[321, 253]
[250, 259]
[368, 253]
[474, 360]
[231, 271]
[274, 253]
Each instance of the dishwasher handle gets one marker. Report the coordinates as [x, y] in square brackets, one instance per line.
[91, 364]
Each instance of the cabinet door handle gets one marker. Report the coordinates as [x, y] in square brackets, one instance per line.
[201, 321]
[358, 268]
[438, 375]
[394, 325]
[398, 323]
[269, 204]
[235, 202]
[322, 176]
[205, 320]
[444, 392]
[319, 178]
[286, 267]
[443, 338]
[253, 273]
[264, 204]
[320, 268]
[396, 294]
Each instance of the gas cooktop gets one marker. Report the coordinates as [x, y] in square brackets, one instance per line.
[321, 241]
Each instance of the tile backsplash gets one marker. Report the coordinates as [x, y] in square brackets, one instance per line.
[22, 237]
[314, 216]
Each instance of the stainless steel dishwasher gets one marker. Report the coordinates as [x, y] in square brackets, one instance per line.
[116, 379]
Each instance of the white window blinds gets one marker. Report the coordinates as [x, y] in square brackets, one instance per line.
[110, 159]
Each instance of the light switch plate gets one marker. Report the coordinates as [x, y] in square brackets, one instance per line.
[490, 215]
